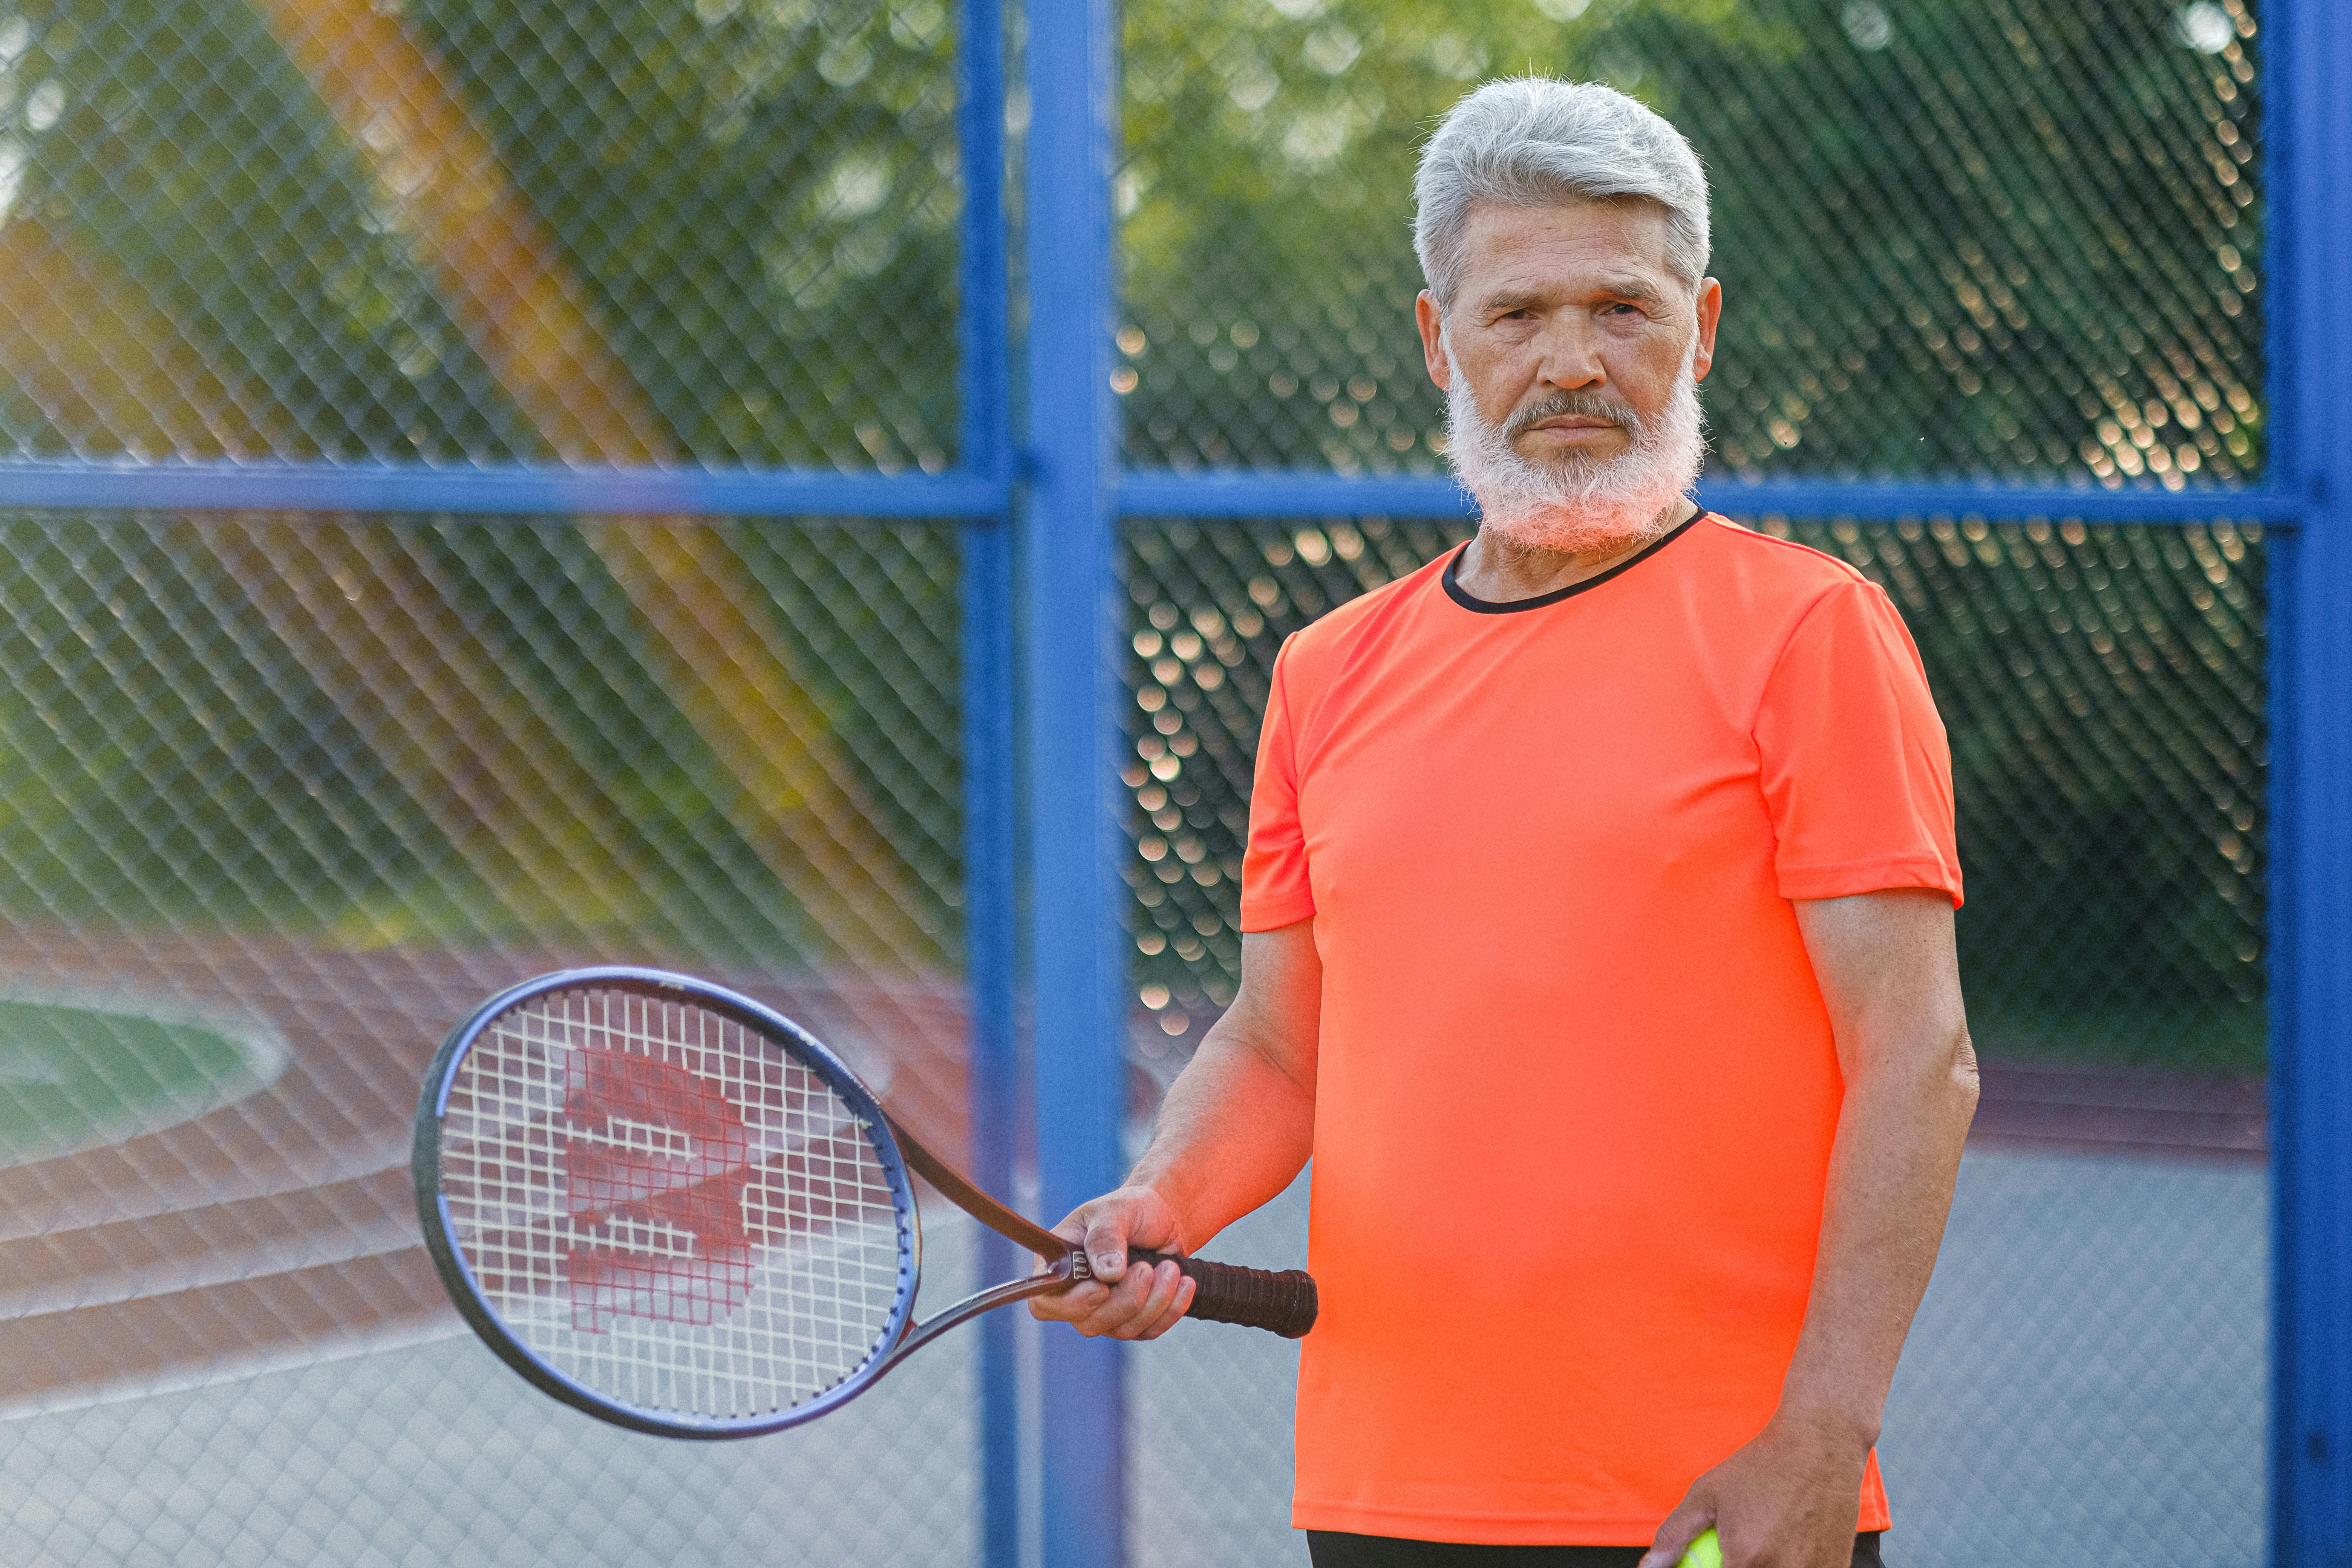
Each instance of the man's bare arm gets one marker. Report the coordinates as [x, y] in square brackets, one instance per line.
[1888, 972]
[1237, 1126]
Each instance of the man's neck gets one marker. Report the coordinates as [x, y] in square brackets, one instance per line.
[1501, 570]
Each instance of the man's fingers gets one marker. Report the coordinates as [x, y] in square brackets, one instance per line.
[1682, 1527]
[1105, 1244]
[1116, 1311]
[1161, 1286]
[1070, 1304]
[1131, 1304]
[1179, 1302]
[1101, 1306]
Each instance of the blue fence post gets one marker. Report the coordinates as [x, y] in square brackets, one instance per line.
[989, 811]
[989, 918]
[1069, 570]
[2308, 44]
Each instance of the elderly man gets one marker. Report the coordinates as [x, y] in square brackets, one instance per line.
[1600, 896]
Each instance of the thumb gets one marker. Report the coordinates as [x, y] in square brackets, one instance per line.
[1105, 1243]
[1682, 1527]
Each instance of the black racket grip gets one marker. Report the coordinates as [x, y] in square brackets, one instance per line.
[1281, 1303]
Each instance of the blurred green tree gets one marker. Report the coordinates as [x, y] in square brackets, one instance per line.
[2014, 238]
[2005, 237]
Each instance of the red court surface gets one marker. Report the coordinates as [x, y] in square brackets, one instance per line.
[282, 1227]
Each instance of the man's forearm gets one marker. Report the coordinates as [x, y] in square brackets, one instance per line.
[1233, 1133]
[1897, 1152]
[1237, 1124]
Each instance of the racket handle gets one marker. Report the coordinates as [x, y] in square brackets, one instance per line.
[1282, 1303]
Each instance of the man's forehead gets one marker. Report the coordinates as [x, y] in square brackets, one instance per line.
[1574, 242]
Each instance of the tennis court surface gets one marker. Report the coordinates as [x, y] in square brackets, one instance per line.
[2088, 1369]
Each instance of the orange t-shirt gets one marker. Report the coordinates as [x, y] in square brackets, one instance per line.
[1575, 1087]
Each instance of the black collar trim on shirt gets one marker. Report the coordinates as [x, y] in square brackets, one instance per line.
[1455, 592]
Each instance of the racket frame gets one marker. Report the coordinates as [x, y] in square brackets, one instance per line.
[1065, 1259]
[897, 1151]
[458, 1275]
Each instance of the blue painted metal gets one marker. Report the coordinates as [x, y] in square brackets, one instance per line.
[990, 917]
[1067, 537]
[979, 489]
[2308, 105]
[1275, 493]
[984, 448]
[1068, 564]
[332, 487]
[1885, 500]
[983, 311]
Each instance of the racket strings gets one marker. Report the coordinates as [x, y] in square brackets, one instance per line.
[667, 1207]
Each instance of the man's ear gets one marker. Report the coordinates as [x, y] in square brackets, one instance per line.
[1432, 337]
[1710, 312]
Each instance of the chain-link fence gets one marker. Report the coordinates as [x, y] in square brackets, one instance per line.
[2014, 240]
[2103, 686]
[2016, 236]
[282, 795]
[286, 795]
[2087, 1371]
[628, 233]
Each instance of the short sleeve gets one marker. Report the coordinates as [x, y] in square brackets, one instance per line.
[1275, 890]
[1856, 771]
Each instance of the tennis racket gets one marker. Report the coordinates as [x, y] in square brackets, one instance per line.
[670, 1206]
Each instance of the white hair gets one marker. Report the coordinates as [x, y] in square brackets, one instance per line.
[1532, 142]
[1577, 504]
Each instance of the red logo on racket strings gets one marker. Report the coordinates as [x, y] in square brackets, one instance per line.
[655, 1162]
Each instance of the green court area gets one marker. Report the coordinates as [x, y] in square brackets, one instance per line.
[75, 1077]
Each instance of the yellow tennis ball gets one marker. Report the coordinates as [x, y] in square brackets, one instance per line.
[1706, 1551]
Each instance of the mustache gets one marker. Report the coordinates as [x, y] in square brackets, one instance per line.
[1572, 404]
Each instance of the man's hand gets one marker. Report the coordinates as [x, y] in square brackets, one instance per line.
[1888, 972]
[1125, 1303]
[1789, 1499]
[1236, 1126]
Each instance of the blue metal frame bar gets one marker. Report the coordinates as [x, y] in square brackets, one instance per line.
[991, 811]
[981, 488]
[983, 313]
[2308, 47]
[1065, 538]
[1075, 897]
[330, 487]
[1274, 493]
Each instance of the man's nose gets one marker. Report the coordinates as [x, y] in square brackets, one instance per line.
[1571, 359]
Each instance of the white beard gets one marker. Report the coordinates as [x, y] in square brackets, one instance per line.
[1582, 506]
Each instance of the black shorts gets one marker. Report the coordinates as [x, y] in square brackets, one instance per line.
[1331, 1549]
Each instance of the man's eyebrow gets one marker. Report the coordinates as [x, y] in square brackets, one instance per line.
[1513, 298]
[1626, 286]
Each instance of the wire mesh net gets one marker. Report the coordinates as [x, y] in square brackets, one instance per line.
[288, 796]
[283, 796]
[636, 232]
[437, 1454]
[2015, 237]
[2088, 1366]
[2103, 686]
[2016, 240]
